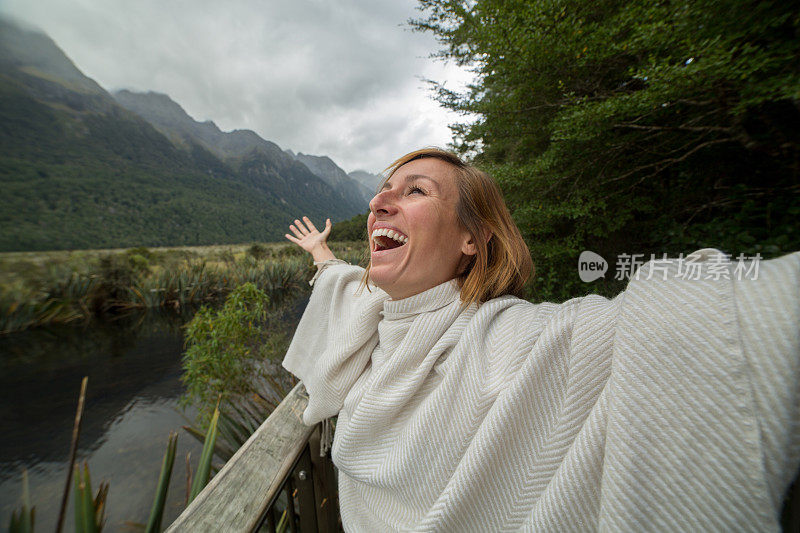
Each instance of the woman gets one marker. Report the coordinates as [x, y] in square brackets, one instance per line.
[464, 408]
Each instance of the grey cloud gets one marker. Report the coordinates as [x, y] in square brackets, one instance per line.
[330, 78]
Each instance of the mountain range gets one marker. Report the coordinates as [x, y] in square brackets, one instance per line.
[83, 168]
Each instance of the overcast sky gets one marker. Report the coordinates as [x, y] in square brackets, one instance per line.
[339, 78]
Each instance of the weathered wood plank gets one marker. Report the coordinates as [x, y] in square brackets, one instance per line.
[303, 483]
[325, 487]
[238, 495]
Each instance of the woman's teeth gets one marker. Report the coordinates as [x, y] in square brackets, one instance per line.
[396, 236]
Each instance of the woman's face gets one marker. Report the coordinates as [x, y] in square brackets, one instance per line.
[427, 244]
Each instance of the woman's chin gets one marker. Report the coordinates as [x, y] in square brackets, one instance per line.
[387, 264]
[381, 275]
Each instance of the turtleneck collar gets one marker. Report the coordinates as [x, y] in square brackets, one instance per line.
[429, 300]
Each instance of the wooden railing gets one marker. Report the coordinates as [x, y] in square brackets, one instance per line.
[281, 457]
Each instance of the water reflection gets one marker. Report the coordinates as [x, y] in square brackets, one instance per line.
[41, 370]
[134, 368]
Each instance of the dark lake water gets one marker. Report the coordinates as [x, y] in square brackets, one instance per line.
[132, 404]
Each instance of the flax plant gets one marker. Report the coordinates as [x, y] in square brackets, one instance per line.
[157, 511]
[77, 288]
[203, 473]
[89, 510]
[22, 520]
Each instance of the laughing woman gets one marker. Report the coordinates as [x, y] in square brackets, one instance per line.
[462, 407]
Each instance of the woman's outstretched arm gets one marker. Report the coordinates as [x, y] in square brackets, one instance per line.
[310, 239]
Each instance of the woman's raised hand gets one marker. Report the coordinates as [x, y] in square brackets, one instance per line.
[310, 239]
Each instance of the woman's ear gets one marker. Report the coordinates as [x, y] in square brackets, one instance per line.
[469, 247]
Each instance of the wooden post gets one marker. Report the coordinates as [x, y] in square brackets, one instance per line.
[290, 513]
[325, 487]
[303, 480]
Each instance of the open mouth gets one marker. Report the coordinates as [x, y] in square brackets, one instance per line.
[387, 239]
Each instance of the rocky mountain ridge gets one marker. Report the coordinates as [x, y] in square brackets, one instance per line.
[81, 170]
[325, 168]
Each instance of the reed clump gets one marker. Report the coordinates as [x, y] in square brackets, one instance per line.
[44, 288]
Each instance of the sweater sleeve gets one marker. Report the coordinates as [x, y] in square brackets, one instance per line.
[768, 312]
[335, 338]
[702, 401]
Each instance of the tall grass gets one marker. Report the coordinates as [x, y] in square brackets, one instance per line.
[65, 288]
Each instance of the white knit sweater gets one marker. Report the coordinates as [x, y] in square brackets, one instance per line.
[673, 407]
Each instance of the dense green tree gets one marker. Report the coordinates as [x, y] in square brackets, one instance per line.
[352, 229]
[227, 349]
[630, 127]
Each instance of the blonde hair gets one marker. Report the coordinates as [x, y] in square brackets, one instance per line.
[502, 264]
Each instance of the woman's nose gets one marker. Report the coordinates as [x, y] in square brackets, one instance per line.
[383, 203]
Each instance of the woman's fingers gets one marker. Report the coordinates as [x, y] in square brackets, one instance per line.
[306, 233]
[310, 239]
[301, 227]
[310, 224]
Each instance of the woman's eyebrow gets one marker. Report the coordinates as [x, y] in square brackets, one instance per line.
[413, 177]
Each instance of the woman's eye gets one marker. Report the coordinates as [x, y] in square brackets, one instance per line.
[415, 190]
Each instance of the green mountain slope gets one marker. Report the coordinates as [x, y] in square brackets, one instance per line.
[79, 171]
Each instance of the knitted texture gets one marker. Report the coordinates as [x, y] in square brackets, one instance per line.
[673, 407]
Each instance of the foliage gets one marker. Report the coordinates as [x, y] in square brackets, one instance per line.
[89, 510]
[630, 127]
[356, 255]
[257, 251]
[353, 229]
[240, 416]
[227, 348]
[67, 290]
[157, 511]
[203, 473]
[116, 274]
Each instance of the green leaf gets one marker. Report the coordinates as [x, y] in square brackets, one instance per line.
[157, 510]
[204, 467]
[78, 499]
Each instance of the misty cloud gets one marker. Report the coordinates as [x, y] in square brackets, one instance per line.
[341, 79]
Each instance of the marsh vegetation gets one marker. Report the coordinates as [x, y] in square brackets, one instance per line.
[40, 288]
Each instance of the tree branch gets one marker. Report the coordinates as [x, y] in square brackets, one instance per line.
[664, 163]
